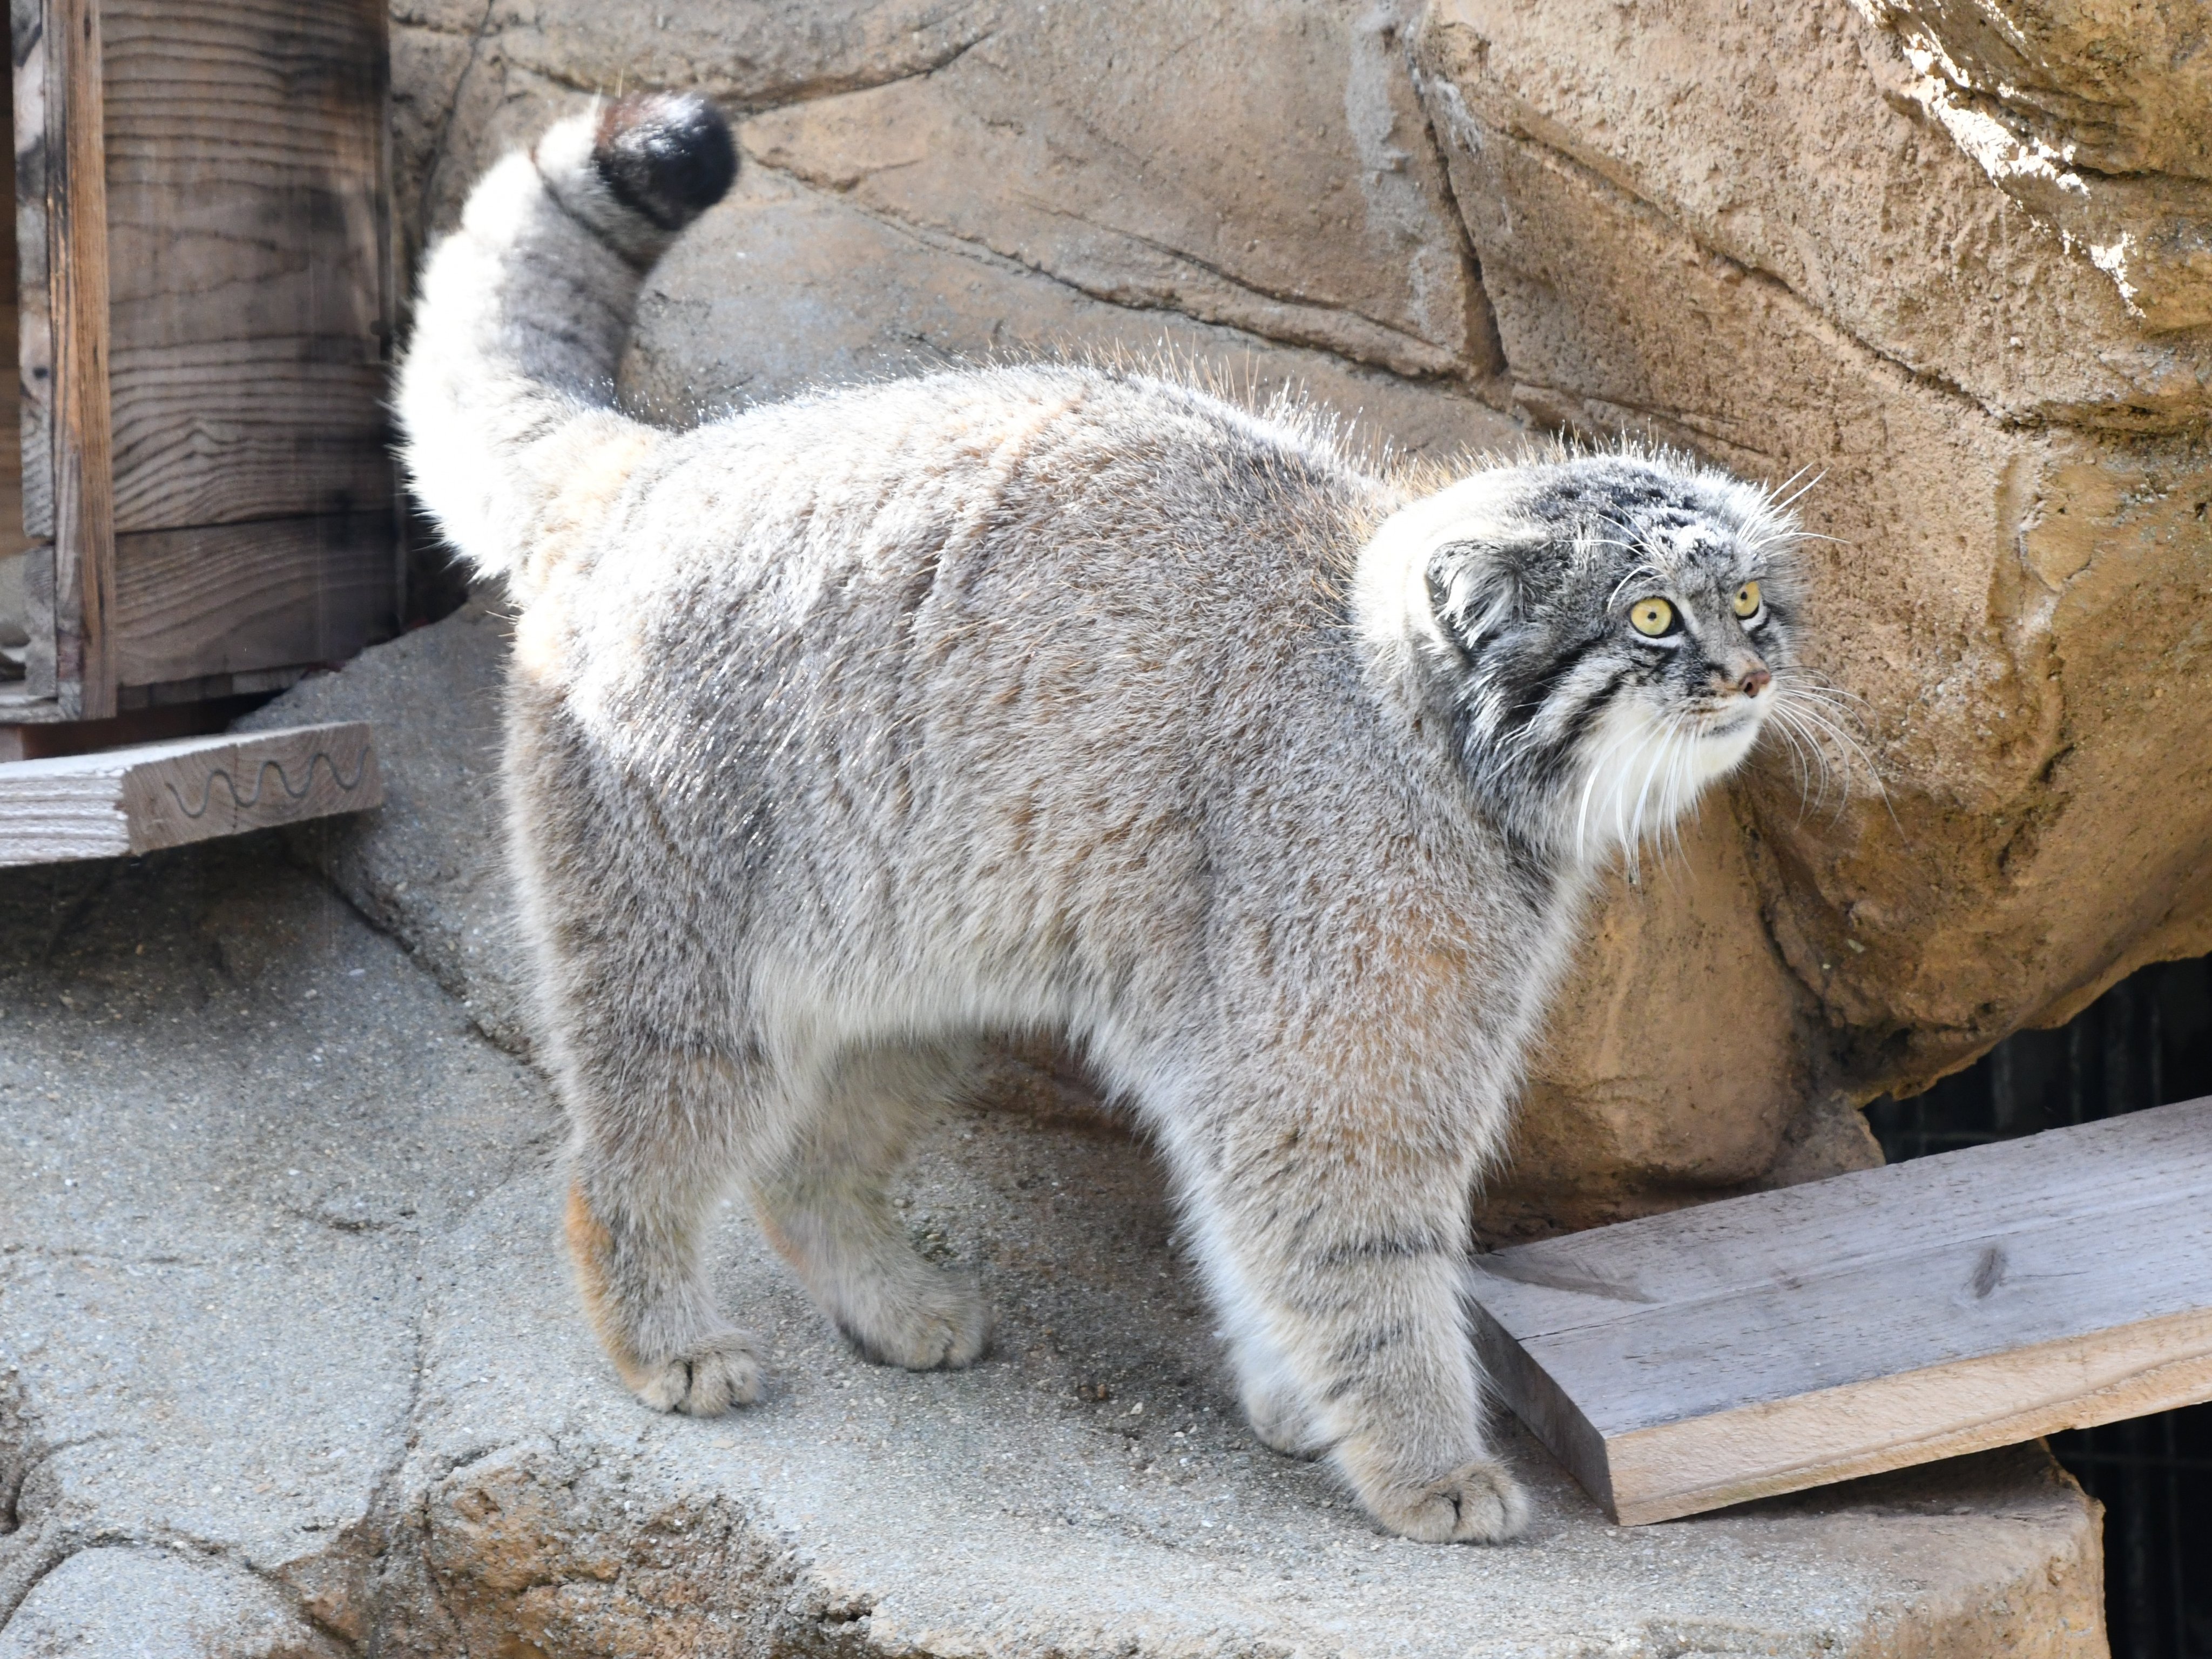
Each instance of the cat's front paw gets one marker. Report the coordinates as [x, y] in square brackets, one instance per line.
[1478, 1503]
[722, 1372]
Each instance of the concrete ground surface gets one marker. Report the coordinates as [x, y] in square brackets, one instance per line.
[291, 1364]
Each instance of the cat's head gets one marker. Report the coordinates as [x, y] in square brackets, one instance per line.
[1609, 632]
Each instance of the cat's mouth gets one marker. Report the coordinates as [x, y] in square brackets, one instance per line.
[1730, 717]
[1725, 736]
[1731, 722]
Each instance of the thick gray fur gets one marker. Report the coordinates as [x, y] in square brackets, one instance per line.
[1053, 699]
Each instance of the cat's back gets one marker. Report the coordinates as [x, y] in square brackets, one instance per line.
[956, 472]
[1088, 522]
[1035, 617]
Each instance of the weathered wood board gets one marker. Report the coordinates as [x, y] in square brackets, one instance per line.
[234, 598]
[164, 794]
[247, 258]
[203, 320]
[1765, 1343]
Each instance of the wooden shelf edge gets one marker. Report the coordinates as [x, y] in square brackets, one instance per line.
[149, 796]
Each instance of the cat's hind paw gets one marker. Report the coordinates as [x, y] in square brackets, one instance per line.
[926, 1321]
[722, 1372]
[1478, 1503]
[1280, 1421]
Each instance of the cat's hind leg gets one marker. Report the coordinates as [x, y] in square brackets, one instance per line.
[826, 1206]
[1267, 1385]
[657, 1129]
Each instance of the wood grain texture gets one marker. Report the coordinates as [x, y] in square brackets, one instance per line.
[248, 236]
[203, 323]
[34, 696]
[1765, 1343]
[35, 312]
[244, 598]
[77, 271]
[12, 535]
[165, 794]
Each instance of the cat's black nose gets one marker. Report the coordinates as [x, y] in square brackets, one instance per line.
[668, 156]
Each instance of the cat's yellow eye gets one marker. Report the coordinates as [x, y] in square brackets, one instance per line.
[1651, 616]
[1746, 599]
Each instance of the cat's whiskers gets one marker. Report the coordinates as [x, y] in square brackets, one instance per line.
[1784, 503]
[1631, 819]
[1620, 734]
[1802, 759]
[1816, 719]
[1810, 684]
[1814, 744]
[1670, 802]
[1683, 790]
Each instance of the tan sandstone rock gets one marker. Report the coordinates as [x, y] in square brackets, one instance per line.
[1266, 166]
[2094, 114]
[1711, 224]
[1262, 165]
[1781, 137]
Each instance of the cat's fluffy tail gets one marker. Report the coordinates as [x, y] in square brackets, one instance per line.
[506, 400]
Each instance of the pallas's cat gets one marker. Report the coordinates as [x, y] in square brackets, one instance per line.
[1052, 700]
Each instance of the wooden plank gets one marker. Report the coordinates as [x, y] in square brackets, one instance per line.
[248, 287]
[35, 316]
[51, 740]
[76, 272]
[1767, 1344]
[246, 597]
[34, 695]
[225, 435]
[165, 794]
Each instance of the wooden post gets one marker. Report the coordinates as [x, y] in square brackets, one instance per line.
[203, 225]
[76, 255]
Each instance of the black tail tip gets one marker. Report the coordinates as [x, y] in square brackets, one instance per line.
[665, 155]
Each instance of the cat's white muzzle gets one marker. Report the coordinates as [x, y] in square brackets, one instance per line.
[1643, 772]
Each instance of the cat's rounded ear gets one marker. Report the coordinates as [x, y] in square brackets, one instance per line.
[1475, 590]
[1423, 578]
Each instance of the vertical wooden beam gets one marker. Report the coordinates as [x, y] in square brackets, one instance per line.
[76, 276]
[34, 342]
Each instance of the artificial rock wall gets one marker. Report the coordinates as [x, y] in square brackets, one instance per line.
[1949, 261]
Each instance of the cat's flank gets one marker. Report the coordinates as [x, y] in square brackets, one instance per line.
[847, 730]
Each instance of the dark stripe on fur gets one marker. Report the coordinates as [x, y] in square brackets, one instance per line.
[1382, 1248]
[1579, 723]
[1521, 712]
